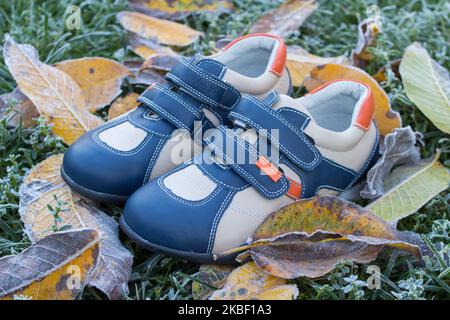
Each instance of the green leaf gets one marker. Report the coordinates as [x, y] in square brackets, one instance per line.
[409, 187]
[427, 84]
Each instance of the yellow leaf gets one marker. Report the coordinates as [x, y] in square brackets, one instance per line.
[385, 118]
[53, 92]
[409, 187]
[175, 10]
[427, 84]
[300, 62]
[167, 32]
[249, 282]
[55, 268]
[309, 236]
[285, 19]
[46, 170]
[209, 276]
[98, 78]
[35, 213]
[122, 105]
[40, 187]
[147, 47]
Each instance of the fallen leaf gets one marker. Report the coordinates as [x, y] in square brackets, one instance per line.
[427, 84]
[409, 187]
[56, 96]
[248, 282]
[143, 76]
[221, 43]
[54, 268]
[385, 118]
[368, 31]
[285, 19]
[177, 10]
[210, 278]
[113, 270]
[381, 74]
[22, 109]
[166, 32]
[300, 62]
[38, 191]
[122, 105]
[160, 62]
[308, 237]
[98, 78]
[147, 47]
[397, 148]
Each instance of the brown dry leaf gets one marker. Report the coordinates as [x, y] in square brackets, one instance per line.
[381, 74]
[300, 62]
[249, 282]
[54, 268]
[308, 238]
[38, 191]
[285, 19]
[385, 118]
[209, 276]
[53, 92]
[160, 62]
[166, 32]
[221, 43]
[368, 31]
[98, 78]
[143, 76]
[397, 148]
[122, 105]
[22, 109]
[147, 47]
[177, 10]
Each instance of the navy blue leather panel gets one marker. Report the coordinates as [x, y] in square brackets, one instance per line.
[221, 175]
[96, 166]
[202, 85]
[171, 107]
[327, 174]
[291, 141]
[242, 157]
[162, 218]
[141, 118]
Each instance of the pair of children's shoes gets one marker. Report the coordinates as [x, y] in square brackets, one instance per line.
[261, 150]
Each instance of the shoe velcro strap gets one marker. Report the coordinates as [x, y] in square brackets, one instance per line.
[244, 158]
[291, 140]
[203, 86]
[170, 106]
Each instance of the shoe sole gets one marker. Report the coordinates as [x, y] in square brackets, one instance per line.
[93, 195]
[202, 258]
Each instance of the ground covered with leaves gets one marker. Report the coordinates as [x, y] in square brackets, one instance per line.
[332, 30]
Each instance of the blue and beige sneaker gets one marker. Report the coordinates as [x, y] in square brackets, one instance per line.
[109, 163]
[278, 150]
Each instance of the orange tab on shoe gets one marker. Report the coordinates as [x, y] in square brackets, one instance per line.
[269, 169]
[295, 189]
